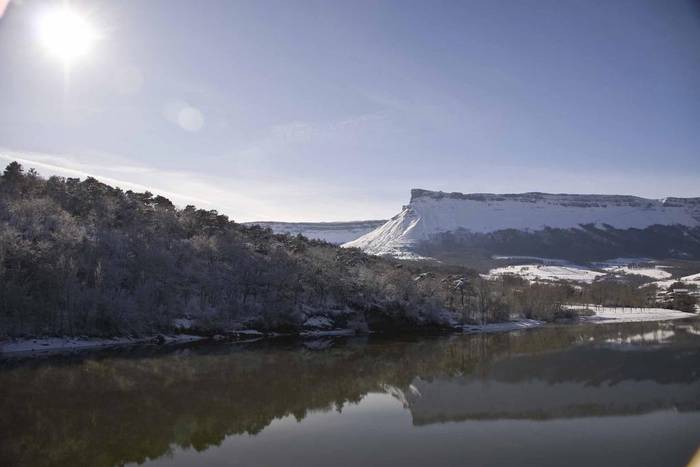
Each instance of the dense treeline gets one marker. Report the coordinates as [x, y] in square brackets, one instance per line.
[81, 257]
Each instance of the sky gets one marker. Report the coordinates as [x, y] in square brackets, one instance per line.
[333, 110]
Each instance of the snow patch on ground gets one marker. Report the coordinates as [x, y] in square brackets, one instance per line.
[318, 322]
[637, 266]
[183, 323]
[693, 279]
[542, 272]
[551, 269]
[654, 273]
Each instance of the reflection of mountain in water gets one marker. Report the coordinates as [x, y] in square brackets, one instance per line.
[575, 383]
[128, 406]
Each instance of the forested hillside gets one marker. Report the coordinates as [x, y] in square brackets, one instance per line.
[81, 257]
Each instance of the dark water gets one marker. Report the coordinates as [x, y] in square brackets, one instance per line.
[579, 395]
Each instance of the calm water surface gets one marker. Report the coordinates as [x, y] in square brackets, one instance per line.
[626, 394]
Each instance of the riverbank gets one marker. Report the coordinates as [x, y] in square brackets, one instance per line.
[61, 344]
[600, 315]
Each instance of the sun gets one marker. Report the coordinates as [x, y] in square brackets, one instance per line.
[65, 34]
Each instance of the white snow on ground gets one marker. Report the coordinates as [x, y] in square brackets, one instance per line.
[49, 344]
[541, 272]
[637, 266]
[693, 279]
[629, 315]
[430, 213]
[502, 327]
[556, 270]
[654, 273]
[318, 322]
[665, 284]
[183, 323]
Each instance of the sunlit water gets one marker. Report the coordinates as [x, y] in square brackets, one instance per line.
[626, 394]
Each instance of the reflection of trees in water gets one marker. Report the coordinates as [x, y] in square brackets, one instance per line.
[116, 407]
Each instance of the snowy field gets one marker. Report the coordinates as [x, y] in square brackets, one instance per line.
[693, 279]
[652, 272]
[551, 269]
[638, 266]
[544, 272]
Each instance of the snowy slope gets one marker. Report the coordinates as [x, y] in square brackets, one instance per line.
[693, 279]
[332, 232]
[651, 272]
[430, 213]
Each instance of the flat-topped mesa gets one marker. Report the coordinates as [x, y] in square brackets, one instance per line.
[431, 213]
[693, 203]
[566, 199]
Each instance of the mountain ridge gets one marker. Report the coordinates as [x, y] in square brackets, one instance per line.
[331, 232]
[482, 217]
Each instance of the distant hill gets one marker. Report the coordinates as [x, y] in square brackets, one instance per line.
[458, 227]
[331, 232]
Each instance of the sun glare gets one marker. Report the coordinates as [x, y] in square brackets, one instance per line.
[66, 34]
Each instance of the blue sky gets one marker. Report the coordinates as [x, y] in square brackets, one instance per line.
[329, 110]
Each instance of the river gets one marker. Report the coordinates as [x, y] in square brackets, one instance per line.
[616, 394]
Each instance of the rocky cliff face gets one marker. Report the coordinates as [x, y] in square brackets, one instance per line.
[526, 223]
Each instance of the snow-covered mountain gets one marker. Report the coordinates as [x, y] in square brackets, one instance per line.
[526, 223]
[332, 232]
